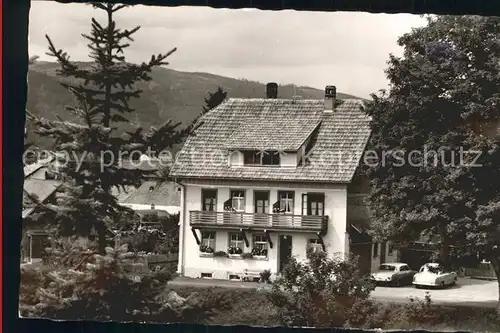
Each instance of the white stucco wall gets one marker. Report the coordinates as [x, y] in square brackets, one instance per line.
[288, 160]
[192, 265]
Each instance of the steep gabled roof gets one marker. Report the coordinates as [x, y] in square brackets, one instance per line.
[38, 189]
[338, 144]
[157, 192]
[277, 132]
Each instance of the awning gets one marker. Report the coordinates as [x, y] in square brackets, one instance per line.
[358, 234]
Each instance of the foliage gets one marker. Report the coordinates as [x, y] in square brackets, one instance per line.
[206, 249]
[98, 287]
[442, 103]
[113, 287]
[214, 99]
[319, 293]
[265, 276]
[162, 238]
[211, 101]
[259, 251]
[91, 167]
[234, 250]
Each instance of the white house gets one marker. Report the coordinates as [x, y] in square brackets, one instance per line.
[264, 179]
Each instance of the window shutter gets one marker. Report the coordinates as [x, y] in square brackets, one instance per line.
[228, 205]
[304, 204]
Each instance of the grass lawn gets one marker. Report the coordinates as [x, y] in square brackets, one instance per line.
[251, 307]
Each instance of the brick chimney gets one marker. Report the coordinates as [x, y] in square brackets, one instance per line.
[272, 90]
[330, 98]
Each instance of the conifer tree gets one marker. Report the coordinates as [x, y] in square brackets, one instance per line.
[92, 147]
[211, 101]
[214, 99]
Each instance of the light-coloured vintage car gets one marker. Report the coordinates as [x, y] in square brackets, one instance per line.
[434, 275]
[393, 274]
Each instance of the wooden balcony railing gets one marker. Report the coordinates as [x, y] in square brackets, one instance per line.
[255, 221]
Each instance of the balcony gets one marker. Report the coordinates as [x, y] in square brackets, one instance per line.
[255, 221]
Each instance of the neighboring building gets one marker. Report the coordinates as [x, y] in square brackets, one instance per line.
[268, 177]
[159, 195]
[39, 186]
[155, 193]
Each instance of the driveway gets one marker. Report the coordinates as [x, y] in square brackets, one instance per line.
[467, 292]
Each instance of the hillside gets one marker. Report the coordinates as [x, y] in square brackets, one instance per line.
[170, 95]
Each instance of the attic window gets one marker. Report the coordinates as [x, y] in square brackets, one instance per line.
[151, 188]
[254, 157]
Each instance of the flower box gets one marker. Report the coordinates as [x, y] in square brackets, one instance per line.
[206, 254]
[234, 256]
[260, 257]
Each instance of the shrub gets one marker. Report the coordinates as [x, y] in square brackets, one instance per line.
[415, 313]
[102, 288]
[265, 276]
[320, 292]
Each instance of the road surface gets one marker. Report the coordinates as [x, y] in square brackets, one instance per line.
[467, 292]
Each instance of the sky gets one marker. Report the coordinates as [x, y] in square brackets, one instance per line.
[347, 49]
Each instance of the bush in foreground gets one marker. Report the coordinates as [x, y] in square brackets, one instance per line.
[111, 287]
[319, 293]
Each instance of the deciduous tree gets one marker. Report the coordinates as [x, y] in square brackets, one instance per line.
[435, 138]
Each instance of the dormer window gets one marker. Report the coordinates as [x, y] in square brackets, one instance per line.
[262, 157]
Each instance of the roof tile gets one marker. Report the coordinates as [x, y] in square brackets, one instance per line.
[340, 140]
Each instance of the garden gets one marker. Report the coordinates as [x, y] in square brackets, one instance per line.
[324, 292]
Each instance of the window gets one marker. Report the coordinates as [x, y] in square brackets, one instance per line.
[38, 245]
[270, 158]
[387, 268]
[286, 201]
[404, 268]
[314, 244]
[375, 250]
[261, 203]
[263, 157]
[391, 249]
[238, 200]
[209, 199]
[313, 204]
[251, 158]
[259, 245]
[208, 239]
[236, 241]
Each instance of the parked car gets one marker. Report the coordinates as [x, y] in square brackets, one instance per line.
[434, 275]
[394, 274]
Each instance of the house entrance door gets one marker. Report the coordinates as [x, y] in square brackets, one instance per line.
[285, 250]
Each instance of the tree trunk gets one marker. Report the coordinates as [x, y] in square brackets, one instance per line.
[444, 249]
[495, 262]
[101, 233]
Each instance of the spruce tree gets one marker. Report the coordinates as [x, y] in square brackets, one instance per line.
[214, 99]
[91, 147]
[211, 101]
